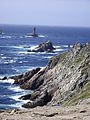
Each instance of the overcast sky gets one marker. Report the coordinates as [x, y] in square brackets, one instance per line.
[45, 12]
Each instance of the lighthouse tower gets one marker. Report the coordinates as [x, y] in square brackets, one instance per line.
[34, 30]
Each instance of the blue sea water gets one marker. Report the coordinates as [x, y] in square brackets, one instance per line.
[14, 58]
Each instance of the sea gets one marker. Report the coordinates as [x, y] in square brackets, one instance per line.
[15, 60]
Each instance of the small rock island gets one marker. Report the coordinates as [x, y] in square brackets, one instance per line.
[44, 47]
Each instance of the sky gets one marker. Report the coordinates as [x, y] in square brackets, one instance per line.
[45, 12]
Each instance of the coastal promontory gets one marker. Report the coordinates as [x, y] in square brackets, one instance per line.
[64, 81]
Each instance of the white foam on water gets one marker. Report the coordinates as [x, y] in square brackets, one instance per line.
[56, 47]
[66, 46]
[21, 36]
[28, 36]
[34, 68]
[3, 57]
[9, 61]
[48, 57]
[71, 46]
[16, 97]
[1, 54]
[7, 81]
[6, 36]
[21, 62]
[33, 47]
[24, 53]
[42, 36]
[15, 89]
[19, 104]
[57, 50]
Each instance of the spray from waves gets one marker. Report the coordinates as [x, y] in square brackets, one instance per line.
[59, 49]
[40, 36]
[9, 61]
[15, 89]
[47, 57]
[19, 92]
[5, 37]
[7, 80]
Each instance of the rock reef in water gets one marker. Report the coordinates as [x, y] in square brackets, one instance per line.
[64, 81]
[44, 47]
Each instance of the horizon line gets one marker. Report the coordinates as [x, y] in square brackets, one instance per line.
[44, 25]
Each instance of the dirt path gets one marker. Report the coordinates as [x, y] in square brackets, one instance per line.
[48, 113]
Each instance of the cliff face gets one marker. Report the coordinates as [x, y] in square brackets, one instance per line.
[65, 77]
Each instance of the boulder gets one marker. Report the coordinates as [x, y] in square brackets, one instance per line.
[44, 47]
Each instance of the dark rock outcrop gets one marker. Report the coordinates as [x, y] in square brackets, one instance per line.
[20, 79]
[64, 75]
[44, 47]
[41, 101]
[4, 78]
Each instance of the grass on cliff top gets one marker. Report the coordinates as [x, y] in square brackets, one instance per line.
[58, 58]
[80, 95]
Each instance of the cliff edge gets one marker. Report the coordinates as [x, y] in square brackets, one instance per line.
[64, 81]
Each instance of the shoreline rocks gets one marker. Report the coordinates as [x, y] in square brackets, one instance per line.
[59, 81]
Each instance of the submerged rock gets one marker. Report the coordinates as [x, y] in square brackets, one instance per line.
[44, 47]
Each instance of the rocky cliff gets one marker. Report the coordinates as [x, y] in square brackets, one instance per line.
[64, 81]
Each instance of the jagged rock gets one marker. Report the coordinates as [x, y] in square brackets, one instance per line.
[65, 74]
[25, 97]
[76, 48]
[34, 82]
[20, 79]
[43, 100]
[44, 47]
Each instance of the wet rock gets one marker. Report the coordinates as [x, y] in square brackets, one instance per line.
[44, 47]
[25, 97]
[76, 48]
[21, 79]
[4, 78]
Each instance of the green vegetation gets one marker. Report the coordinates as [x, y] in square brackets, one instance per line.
[58, 58]
[80, 95]
[88, 103]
